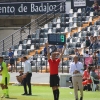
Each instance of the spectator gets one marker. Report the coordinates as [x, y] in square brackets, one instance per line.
[87, 42]
[12, 60]
[87, 79]
[95, 44]
[98, 71]
[45, 50]
[19, 77]
[81, 58]
[94, 75]
[95, 58]
[77, 52]
[98, 60]
[10, 53]
[96, 6]
[59, 48]
[91, 42]
[86, 54]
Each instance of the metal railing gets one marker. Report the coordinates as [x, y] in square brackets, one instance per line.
[40, 63]
[30, 28]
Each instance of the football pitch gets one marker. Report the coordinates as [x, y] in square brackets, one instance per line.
[45, 93]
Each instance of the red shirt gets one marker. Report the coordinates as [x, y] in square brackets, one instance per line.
[86, 74]
[53, 64]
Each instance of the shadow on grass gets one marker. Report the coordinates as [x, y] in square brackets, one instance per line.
[31, 95]
[11, 98]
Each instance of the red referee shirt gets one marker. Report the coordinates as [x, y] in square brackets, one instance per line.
[53, 64]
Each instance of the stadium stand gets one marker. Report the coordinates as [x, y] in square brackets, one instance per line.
[78, 24]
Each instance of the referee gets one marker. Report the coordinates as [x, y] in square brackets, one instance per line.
[54, 78]
[27, 76]
[76, 69]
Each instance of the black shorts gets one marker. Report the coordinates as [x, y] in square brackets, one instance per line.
[12, 63]
[54, 80]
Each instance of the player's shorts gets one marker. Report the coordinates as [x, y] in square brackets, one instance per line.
[5, 80]
[54, 80]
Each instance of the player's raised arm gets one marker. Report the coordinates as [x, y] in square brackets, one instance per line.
[48, 52]
[62, 51]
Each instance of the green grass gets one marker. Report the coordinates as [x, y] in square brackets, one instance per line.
[45, 93]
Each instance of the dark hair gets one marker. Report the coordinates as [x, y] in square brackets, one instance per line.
[25, 58]
[89, 68]
[1, 58]
[86, 52]
[97, 51]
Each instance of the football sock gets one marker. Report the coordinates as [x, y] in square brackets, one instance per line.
[54, 93]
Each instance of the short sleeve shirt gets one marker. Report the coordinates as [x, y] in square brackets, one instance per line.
[5, 69]
[11, 54]
[53, 64]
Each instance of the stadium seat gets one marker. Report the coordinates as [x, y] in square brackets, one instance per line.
[24, 42]
[20, 42]
[37, 46]
[41, 41]
[75, 10]
[16, 47]
[33, 35]
[29, 36]
[4, 53]
[76, 34]
[33, 41]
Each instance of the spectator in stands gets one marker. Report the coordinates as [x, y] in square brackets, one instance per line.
[12, 60]
[95, 58]
[98, 60]
[86, 54]
[59, 48]
[77, 52]
[98, 71]
[95, 43]
[91, 42]
[87, 79]
[96, 6]
[94, 75]
[19, 77]
[81, 58]
[87, 42]
[45, 50]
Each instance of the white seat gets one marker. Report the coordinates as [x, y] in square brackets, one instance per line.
[75, 14]
[94, 85]
[49, 31]
[58, 20]
[58, 26]
[46, 26]
[91, 14]
[71, 11]
[79, 10]
[15, 53]
[29, 42]
[32, 47]
[71, 19]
